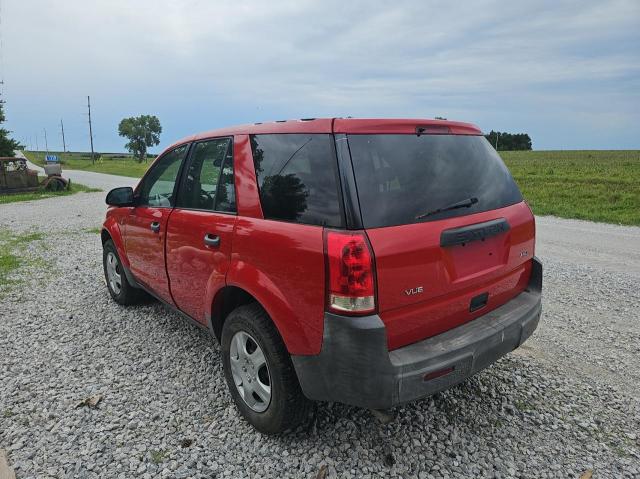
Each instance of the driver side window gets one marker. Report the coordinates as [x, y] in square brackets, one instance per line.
[157, 187]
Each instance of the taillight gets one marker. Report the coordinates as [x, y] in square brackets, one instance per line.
[351, 283]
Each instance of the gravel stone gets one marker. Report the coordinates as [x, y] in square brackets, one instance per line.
[565, 402]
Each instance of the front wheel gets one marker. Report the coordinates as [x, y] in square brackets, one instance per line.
[119, 287]
[259, 372]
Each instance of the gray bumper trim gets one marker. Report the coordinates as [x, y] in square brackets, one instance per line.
[354, 366]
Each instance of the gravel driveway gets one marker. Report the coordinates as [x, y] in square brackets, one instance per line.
[566, 402]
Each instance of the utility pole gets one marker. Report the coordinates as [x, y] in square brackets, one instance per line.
[93, 161]
[64, 145]
[46, 145]
[497, 136]
[37, 147]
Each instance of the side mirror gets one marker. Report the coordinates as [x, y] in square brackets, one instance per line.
[120, 196]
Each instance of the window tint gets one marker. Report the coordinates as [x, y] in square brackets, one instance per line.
[401, 177]
[208, 180]
[157, 187]
[297, 177]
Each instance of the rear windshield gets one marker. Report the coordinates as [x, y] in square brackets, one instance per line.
[404, 179]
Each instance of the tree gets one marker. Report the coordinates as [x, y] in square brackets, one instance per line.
[509, 141]
[142, 132]
[7, 145]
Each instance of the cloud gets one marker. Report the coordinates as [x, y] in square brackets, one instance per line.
[201, 64]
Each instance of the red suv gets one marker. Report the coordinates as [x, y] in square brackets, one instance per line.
[369, 262]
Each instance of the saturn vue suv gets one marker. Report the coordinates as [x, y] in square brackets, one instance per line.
[370, 262]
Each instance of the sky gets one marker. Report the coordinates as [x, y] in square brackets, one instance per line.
[567, 73]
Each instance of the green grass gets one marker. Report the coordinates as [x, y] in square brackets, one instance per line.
[121, 164]
[42, 194]
[11, 258]
[595, 185]
[95, 231]
[158, 456]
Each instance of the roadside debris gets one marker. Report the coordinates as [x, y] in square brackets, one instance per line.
[587, 474]
[91, 401]
[322, 472]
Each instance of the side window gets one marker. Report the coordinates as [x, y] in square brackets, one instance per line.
[208, 181]
[157, 186]
[298, 178]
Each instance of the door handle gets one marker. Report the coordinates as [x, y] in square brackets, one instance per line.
[211, 240]
[155, 226]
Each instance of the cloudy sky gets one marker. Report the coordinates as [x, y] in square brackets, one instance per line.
[568, 73]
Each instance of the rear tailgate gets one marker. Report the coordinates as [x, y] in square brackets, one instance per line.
[451, 235]
[425, 289]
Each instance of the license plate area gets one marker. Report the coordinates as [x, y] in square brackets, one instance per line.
[468, 260]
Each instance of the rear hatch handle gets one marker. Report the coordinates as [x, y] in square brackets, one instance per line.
[475, 232]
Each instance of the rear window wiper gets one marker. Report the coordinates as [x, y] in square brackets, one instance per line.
[454, 206]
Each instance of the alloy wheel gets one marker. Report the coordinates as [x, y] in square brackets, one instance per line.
[250, 371]
[114, 273]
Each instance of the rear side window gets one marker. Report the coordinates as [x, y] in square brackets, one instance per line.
[297, 177]
[404, 179]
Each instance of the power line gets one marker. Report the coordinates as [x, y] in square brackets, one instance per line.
[1, 55]
[64, 145]
[93, 161]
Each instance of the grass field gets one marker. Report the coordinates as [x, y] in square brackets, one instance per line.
[122, 164]
[11, 247]
[596, 185]
[42, 194]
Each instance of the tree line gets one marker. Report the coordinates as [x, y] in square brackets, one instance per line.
[503, 141]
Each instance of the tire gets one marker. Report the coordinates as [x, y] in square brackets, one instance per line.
[287, 407]
[55, 184]
[119, 287]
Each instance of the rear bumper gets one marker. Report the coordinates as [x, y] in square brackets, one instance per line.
[354, 366]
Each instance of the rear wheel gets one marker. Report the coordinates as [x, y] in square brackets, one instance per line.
[119, 287]
[259, 372]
